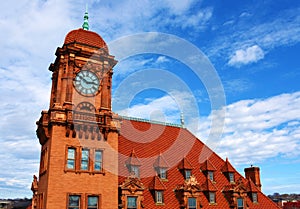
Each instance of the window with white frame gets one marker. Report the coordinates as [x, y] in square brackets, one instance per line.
[159, 197]
[231, 177]
[188, 174]
[98, 160]
[85, 159]
[254, 197]
[162, 173]
[71, 158]
[211, 175]
[212, 197]
[135, 170]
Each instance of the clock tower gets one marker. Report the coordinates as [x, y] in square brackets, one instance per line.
[78, 136]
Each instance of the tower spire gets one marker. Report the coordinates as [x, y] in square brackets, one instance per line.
[85, 24]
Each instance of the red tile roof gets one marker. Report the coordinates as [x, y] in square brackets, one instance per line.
[181, 149]
[160, 162]
[132, 159]
[185, 164]
[227, 167]
[208, 185]
[157, 184]
[207, 166]
[86, 37]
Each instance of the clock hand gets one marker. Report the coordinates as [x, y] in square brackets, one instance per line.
[91, 82]
[83, 79]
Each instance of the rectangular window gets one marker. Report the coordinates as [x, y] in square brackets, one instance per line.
[162, 173]
[231, 177]
[159, 196]
[135, 170]
[84, 160]
[93, 202]
[74, 202]
[211, 175]
[240, 203]
[71, 158]
[192, 203]
[131, 202]
[212, 197]
[254, 197]
[188, 174]
[98, 160]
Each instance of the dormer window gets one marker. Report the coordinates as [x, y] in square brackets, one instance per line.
[157, 189]
[208, 170]
[189, 193]
[240, 203]
[135, 170]
[231, 177]
[185, 168]
[131, 202]
[209, 191]
[162, 173]
[161, 167]
[188, 174]
[159, 197]
[254, 197]
[192, 203]
[133, 164]
[211, 175]
[228, 171]
[212, 197]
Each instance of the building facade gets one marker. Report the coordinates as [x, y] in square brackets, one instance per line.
[92, 158]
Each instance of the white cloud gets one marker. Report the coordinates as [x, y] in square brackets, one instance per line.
[246, 56]
[283, 30]
[164, 109]
[256, 130]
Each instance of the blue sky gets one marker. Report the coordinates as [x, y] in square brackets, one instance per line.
[253, 48]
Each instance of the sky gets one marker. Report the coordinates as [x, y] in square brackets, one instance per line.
[232, 69]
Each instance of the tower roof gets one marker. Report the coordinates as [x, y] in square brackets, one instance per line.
[86, 37]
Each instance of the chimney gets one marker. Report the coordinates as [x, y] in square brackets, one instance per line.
[253, 174]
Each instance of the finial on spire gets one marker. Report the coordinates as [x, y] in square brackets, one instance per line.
[85, 24]
[182, 119]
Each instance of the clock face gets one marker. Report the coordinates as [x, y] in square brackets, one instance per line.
[87, 83]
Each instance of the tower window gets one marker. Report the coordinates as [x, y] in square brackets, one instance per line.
[240, 203]
[231, 177]
[93, 202]
[192, 203]
[84, 159]
[211, 175]
[212, 197]
[131, 202]
[98, 160]
[74, 202]
[188, 174]
[159, 197]
[71, 158]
